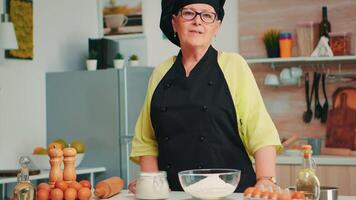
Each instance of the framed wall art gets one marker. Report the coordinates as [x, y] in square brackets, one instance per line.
[21, 15]
[121, 17]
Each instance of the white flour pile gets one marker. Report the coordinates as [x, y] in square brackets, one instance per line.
[211, 187]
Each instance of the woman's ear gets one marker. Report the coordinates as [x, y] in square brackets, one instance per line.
[174, 19]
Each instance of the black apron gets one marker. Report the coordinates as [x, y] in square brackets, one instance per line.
[195, 122]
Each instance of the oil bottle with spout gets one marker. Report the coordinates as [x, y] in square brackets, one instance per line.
[24, 190]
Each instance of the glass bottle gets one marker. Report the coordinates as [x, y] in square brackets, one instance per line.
[325, 26]
[24, 190]
[307, 181]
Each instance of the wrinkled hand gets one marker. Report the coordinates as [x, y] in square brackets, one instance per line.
[132, 186]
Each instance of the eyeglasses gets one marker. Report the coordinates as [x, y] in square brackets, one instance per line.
[207, 17]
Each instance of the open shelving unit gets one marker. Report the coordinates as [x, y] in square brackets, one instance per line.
[301, 60]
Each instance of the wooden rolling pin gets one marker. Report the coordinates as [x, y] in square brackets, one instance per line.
[109, 187]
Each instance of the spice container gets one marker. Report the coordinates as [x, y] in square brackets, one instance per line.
[285, 44]
[340, 43]
[307, 37]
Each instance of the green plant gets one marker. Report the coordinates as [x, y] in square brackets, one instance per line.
[93, 55]
[119, 56]
[133, 57]
[271, 41]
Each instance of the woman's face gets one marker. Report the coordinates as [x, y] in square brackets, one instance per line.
[199, 30]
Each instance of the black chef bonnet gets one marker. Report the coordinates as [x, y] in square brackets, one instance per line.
[170, 7]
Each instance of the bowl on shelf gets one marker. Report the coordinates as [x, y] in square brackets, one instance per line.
[209, 183]
[41, 161]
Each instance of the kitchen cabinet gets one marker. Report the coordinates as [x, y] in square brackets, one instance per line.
[341, 176]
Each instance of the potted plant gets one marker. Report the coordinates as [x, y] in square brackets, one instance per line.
[119, 61]
[271, 41]
[133, 60]
[92, 60]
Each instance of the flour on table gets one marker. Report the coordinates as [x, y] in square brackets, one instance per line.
[211, 187]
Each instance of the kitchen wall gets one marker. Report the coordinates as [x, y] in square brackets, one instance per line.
[60, 44]
[286, 104]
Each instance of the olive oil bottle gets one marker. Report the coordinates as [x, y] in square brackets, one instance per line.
[307, 181]
[325, 26]
[24, 190]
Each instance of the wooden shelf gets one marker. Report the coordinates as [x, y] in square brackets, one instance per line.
[301, 59]
[125, 37]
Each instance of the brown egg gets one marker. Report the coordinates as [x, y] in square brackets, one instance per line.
[43, 186]
[70, 194]
[56, 194]
[284, 196]
[42, 194]
[298, 195]
[75, 185]
[256, 193]
[61, 185]
[85, 183]
[273, 195]
[248, 191]
[265, 194]
[84, 193]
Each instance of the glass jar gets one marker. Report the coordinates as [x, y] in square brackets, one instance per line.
[307, 37]
[152, 185]
[340, 43]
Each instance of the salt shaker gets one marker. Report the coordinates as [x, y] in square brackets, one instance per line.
[152, 185]
[55, 174]
[69, 173]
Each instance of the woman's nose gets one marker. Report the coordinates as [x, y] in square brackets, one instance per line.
[197, 20]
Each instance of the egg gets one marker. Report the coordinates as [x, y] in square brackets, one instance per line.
[84, 193]
[265, 194]
[75, 185]
[42, 194]
[298, 195]
[256, 193]
[61, 185]
[273, 195]
[43, 186]
[284, 196]
[70, 194]
[248, 191]
[56, 194]
[85, 183]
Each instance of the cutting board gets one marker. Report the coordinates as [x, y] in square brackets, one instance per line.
[341, 125]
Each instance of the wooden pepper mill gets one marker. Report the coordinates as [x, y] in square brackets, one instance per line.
[69, 173]
[55, 174]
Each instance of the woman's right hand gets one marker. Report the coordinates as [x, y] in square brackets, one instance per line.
[132, 186]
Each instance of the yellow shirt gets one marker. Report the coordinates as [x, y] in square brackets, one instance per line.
[256, 128]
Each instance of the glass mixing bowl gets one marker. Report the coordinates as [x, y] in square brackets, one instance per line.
[209, 183]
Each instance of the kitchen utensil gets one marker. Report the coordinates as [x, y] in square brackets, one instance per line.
[325, 108]
[317, 109]
[209, 183]
[328, 193]
[41, 161]
[307, 115]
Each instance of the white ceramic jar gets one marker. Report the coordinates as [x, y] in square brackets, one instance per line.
[152, 185]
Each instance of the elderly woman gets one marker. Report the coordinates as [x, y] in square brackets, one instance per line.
[203, 108]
